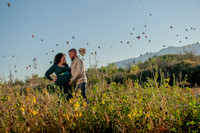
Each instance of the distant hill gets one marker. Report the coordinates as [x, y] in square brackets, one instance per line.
[195, 47]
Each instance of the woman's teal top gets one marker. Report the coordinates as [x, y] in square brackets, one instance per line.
[63, 75]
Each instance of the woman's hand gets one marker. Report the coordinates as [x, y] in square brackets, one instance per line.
[54, 80]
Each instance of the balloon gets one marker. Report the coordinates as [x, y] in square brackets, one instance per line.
[131, 33]
[191, 28]
[99, 47]
[150, 14]
[145, 26]
[130, 45]
[186, 29]
[72, 37]
[29, 65]
[46, 53]
[92, 53]
[111, 47]
[145, 36]
[41, 40]
[163, 45]
[95, 52]
[121, 41]
[67, 42]
[171, 27]
[14, 66]
[52, 51]
[197, 42]
[33, 36]
[138, 37]
[133, 28]
[56, 44]
[194, 28]
[4, 56]
[143, 33]
[50, 62]
[179, 41]
[186, 37]
[127, 42]
[177, 35]
[149, 40]
[26, 67]
[87, 43]
[8, 4]
[15, 71]
[82, 51]
[13, 56]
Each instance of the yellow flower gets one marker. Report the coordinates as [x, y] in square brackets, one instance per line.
[167, 80]
[27, 99]
[22, 109]
[67, 116]
[80, 114]
[76, 105]
[34, 112]
[70, 100]
[129, 115]
[73, 93]
[84, 103]
[34, 100]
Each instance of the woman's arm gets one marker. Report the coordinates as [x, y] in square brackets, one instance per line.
[50, 71]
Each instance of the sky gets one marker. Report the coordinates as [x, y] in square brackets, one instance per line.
[96, 25]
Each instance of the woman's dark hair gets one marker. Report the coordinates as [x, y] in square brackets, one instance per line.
[58, 57]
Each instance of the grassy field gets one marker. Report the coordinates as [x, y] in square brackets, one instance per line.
[126, 106]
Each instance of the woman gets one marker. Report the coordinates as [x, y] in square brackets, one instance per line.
[63, 73]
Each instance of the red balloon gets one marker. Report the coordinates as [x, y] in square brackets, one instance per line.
[145, 36]
[33, 36]
[8, 4]
[26, 67]
[138, 37]
[67, 42]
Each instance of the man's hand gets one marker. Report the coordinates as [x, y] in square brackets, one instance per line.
[54, 80]
[70, 82]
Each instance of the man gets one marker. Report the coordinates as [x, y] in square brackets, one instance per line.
[79, 78]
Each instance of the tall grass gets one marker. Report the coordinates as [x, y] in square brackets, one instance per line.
[126, 107]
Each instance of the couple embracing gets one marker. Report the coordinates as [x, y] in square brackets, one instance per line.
[66, 76]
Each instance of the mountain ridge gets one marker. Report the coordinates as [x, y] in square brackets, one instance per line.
[195, 48]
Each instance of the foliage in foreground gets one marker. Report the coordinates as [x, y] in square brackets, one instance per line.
[127, 107]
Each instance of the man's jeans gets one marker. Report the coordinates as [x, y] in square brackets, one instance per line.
[82, 87]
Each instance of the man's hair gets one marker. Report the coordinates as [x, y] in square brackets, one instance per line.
[73, 50]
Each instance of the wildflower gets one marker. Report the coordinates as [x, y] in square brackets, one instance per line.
[76, 113]
[70, 100]
[29, 110]
[73, 93]
[67, 116]
[34, 112]
[76, 105]
[167, 80]
[27, 89]
[27, 99]
[80, 114]
[34, 100]
[114, 83]
[129, 115]
[84, 103]
[21, 104]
